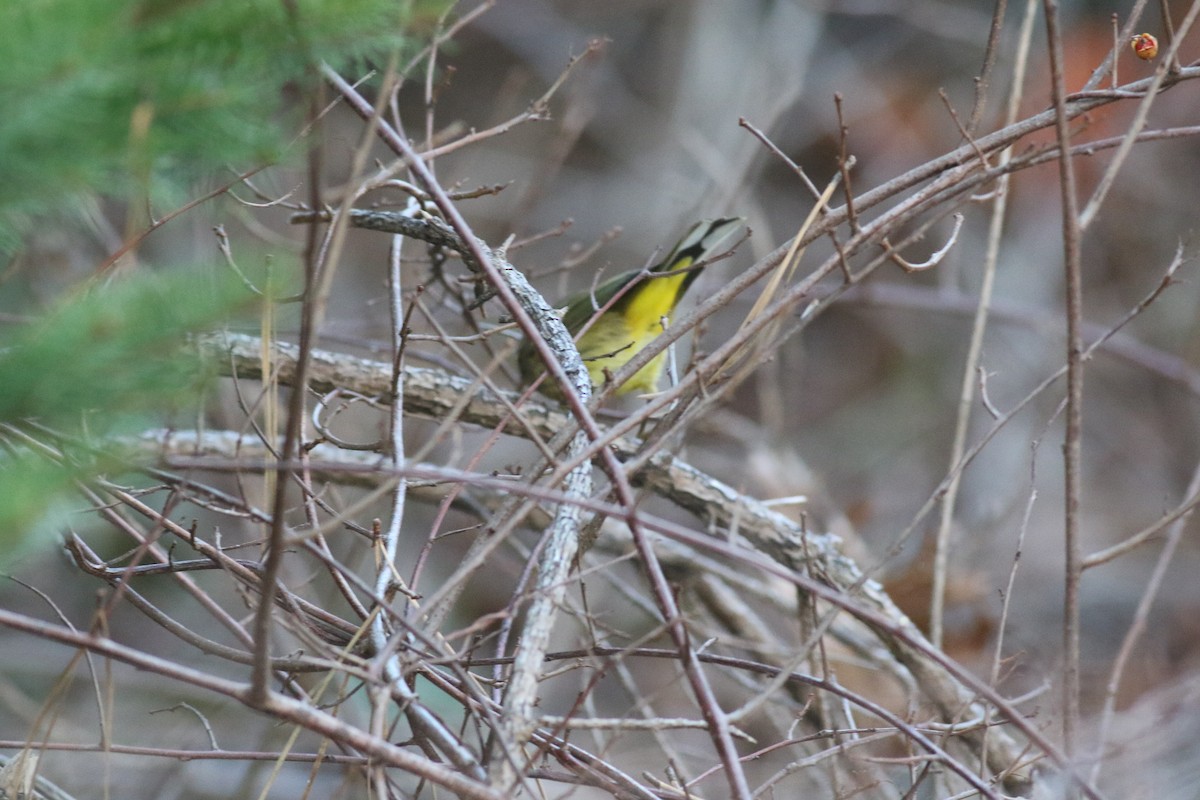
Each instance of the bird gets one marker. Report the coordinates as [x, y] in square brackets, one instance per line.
[645, 300]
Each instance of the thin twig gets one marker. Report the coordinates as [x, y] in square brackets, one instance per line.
[978, 328]
[1072, 449]
[983, 81]
[1138, 626]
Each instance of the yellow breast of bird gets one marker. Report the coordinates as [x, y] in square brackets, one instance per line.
[621, 334]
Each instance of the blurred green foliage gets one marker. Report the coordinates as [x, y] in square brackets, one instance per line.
[100, 363]
[133, 99]
[116, 349]
[149, 94]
